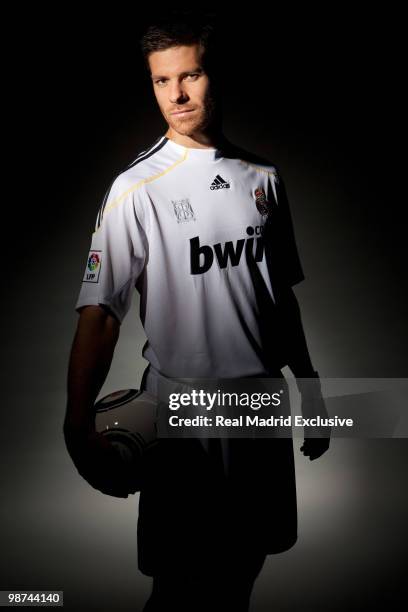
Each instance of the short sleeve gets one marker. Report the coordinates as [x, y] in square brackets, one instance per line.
[117, 252]
[283, 257]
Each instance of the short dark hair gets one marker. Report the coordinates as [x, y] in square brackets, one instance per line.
[183, 27]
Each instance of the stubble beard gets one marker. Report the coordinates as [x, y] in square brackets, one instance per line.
[201, 124]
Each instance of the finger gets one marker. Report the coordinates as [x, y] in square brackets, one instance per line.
[98, 462]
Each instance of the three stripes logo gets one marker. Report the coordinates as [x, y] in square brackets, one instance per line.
[219, 183]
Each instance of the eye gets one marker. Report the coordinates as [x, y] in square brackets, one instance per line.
[161, 82]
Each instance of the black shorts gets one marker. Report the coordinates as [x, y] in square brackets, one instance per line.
[191, 514]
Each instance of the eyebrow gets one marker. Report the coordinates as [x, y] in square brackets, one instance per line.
[185, 73]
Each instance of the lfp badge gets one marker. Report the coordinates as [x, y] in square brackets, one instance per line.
[261, 202]
[93, 267]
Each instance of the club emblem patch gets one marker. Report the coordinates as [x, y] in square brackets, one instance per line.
[93, 267]
[261, 202]
[183, 211]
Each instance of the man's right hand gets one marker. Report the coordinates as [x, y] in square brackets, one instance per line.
[96, 460]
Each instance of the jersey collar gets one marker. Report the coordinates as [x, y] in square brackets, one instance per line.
[194, 154]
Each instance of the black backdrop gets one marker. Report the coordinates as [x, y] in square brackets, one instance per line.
[318, 91]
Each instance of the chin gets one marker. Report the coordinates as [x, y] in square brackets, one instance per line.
[191, 124]
[184, 129]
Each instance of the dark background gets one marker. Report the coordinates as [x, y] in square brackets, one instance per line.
[319, 93]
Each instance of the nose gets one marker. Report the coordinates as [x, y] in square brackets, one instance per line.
[177, 94]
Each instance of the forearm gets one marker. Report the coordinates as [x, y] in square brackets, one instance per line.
[297, 352]
[298, 359]
[90, 360]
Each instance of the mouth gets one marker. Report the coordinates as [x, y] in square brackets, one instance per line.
[182, 113]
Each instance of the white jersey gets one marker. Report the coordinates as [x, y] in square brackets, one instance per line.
[205, 236]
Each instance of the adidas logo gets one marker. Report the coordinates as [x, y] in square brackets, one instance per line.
[219, 183]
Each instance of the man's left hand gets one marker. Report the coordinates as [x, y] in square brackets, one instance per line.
[316, 439]
[314, 447]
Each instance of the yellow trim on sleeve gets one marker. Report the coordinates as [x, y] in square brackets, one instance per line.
[117, 200]
[257, 168]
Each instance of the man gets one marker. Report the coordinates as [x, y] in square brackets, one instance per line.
[203, 230]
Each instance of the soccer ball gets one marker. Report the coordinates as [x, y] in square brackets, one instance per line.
[128, 419]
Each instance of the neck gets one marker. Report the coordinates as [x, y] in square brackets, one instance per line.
[209, 139]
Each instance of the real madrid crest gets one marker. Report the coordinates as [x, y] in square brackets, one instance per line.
[261, 202]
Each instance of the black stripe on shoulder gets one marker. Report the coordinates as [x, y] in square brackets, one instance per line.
[156, 146]
[102, 206]
[159, 144]
[143, 153]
